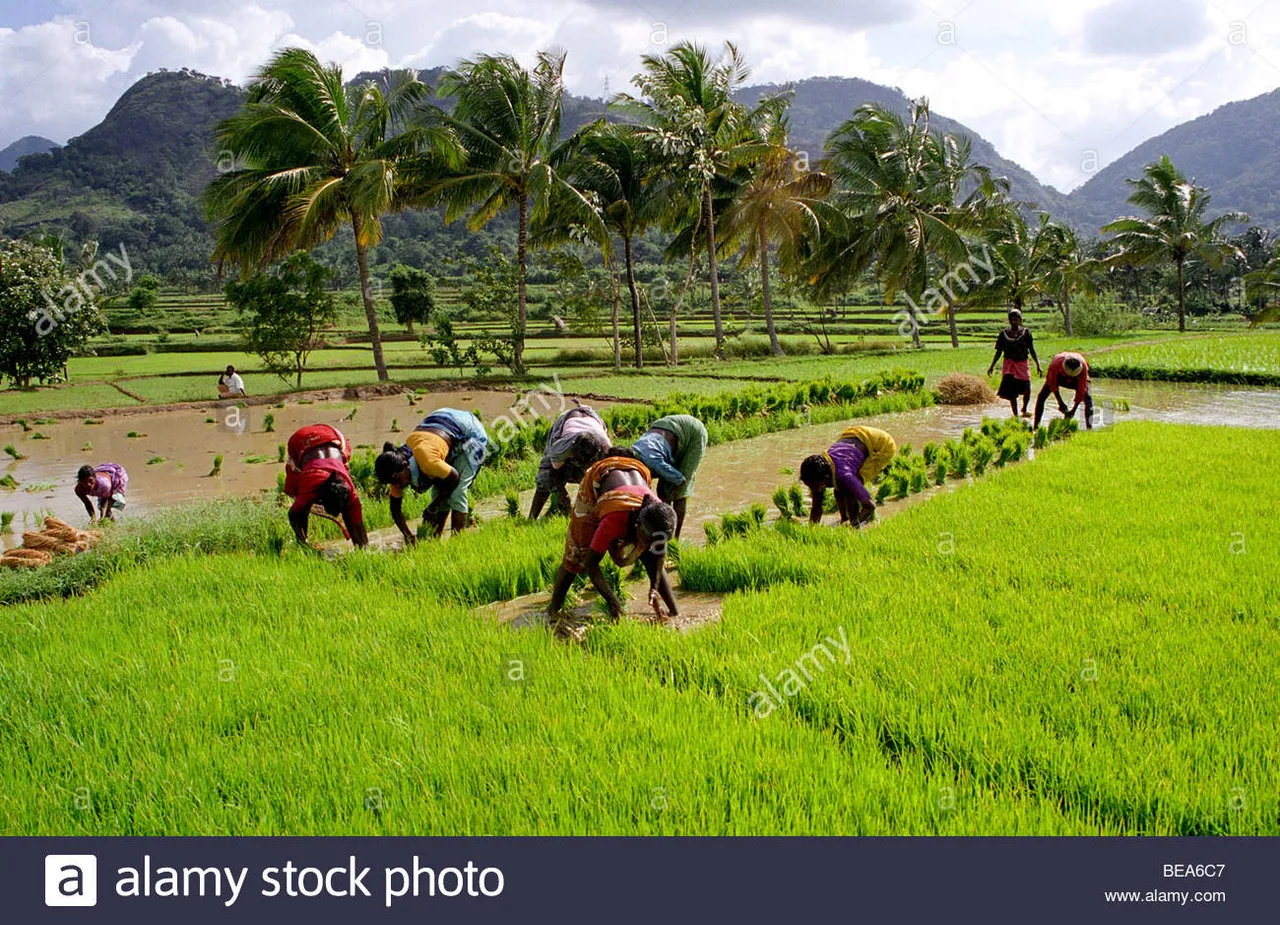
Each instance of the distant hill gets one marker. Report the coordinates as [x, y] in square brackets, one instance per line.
[136, 178]
[1232, 151]
[28, 144]
[822, 104]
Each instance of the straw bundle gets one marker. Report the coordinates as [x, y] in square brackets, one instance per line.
[964, 389]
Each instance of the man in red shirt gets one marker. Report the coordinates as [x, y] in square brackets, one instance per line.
[1067, 371]
[316, 473]
[617, 514]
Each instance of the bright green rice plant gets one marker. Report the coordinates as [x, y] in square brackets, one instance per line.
[155, 460]
[9, 482]
[13, 451]
[930, 453]
[6, 521]
[38, 436]
[395, 425]
[782, 501]
[280, 452]
[940, 470]
[26, 428]
[961, 460]
[217, 466]
[796, 494]
[513, 504]
[269, 424]
[87, 448]
[984, 452]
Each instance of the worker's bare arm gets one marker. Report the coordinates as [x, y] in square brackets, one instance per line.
[601, 584]
[397, 516]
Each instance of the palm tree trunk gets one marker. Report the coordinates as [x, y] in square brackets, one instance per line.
[635, 300]
[1066, 311]
[767, 297]
[615, 290]
[715, 272]
[366, 293]
[1182, 301]
[521, 292]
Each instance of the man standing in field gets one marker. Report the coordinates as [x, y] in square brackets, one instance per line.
[1016, 344]
[578, 439]
[1067, 371]
[444, 453]
[672, 449]
[316, 473]
[617, 514]
[853, 461]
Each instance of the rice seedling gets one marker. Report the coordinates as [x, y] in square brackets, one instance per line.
[930, 453]
[13, 451]
[940, 470]
[155, 460]
[798, 506]
[9, 482]
[513, 504]
[918, 480]
[1120, 404]
[135, 435]
[216, 471]
[6, 521]
[961, 459]
[87, 448]
[210, 421]
[39, 436]
[711, 531]
[395, 425]
[278, 404]
[352, 415]
[280, 453]
[93, 421]
[268, 423]
[37, 488]
[22, 422]
[256, 458]
[782, 501]
[984, 452]
[45, 421]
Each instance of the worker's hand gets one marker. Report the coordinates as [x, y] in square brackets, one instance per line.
[991, 369]
[409, 540]
[1062, 408]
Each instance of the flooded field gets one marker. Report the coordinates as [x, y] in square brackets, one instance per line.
[171, 453]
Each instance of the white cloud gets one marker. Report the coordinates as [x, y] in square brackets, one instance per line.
[1046, 83]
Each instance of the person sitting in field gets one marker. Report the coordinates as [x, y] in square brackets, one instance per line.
[673, 448]
[853, 461]
[577, 440]
[1067, 371]
[107, 483]
[316, 473]
[443, 454]
[616, 513]
[230, 385]
[1016, 344]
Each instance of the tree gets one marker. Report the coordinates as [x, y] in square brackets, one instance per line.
[311, 155]
[285, 313]
[45, 316]
[894, 205]
[623, 173]
[690, 117]
[413, 295]
[777, 206]
[1066, 270]
[506, 152]
[1174, 229]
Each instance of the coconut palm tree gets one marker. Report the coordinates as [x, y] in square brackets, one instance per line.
[1066, 269]
[776, 205]
[1174, 229]
[505, 129]
[312, 155]
[894, 206]
[689, 115]
[625, 176]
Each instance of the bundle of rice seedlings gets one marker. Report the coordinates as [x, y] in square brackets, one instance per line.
[25, 558]
[48, 543]
[797, 501]
[964, 389]
[782, 502]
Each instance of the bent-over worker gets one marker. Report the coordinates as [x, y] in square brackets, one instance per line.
[617, 514]
[316, 473]
[107, 483]
[578, 439]
[673, 448]
[1067, 371]
[852, 462]
[443, 454]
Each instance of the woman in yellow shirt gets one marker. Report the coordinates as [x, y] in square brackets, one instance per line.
[444, 453]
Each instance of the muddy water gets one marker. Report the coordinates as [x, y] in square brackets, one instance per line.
[732, 477]
[187, 443]
[531, 610]
[736, 475]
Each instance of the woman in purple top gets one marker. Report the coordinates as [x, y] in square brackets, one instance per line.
[106, 483]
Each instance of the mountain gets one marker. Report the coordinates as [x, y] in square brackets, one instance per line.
[821, 104]
[28, 144]
[1231, 151]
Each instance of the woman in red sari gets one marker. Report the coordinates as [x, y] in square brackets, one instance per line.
[316, 473]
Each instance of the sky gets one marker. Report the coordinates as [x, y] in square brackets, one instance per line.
[1062, 87]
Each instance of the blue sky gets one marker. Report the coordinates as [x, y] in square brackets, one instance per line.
[1061, 87]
